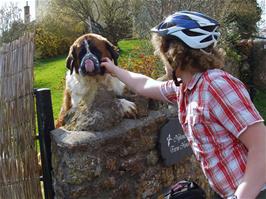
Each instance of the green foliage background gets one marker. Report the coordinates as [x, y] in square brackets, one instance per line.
[120, 19]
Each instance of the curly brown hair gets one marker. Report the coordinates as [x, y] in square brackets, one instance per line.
[176, 54]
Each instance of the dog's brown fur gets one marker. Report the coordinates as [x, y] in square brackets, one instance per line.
[105, 48]
[65, 107]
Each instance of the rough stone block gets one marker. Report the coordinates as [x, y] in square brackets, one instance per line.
[121, 162]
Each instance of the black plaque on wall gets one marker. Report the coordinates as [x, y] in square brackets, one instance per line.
[173, 144]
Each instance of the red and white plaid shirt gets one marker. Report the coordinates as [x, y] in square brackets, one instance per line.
[214, 109]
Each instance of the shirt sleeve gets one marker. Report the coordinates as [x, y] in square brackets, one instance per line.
[169, 91]
[231, 106]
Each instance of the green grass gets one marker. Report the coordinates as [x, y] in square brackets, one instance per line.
[50, 73]
[134, 47]
[126, 46]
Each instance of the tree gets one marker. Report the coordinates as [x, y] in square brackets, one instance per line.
[17, 29]
[55, 32]
[110, 18]
[116, 18]
[148, 13]
[8, 14]
[11, 26]
[242, 17]
[86, 11]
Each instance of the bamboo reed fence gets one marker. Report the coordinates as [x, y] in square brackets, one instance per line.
[19, 172]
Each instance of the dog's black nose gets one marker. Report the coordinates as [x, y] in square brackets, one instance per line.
[90, 65]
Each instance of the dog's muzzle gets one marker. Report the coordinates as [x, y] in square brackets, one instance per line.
[90, 65]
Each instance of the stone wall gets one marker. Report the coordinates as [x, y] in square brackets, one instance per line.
[122, 162]
[252, 65]
[259, 57]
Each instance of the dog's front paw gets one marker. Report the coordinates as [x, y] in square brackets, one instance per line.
[127, 108]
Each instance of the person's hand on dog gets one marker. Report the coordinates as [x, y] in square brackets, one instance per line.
[108, 65]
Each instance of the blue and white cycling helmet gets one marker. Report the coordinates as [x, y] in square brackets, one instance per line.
[195, 29]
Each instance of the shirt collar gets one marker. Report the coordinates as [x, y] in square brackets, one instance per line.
[193, 81]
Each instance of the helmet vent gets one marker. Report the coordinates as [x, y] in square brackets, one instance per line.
[191, 33]
[206, 39]
[167, 25]
[208, 28]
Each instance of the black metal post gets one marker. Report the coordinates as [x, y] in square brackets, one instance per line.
[45, 125]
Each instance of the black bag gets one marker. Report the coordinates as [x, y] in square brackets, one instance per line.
[185, 190]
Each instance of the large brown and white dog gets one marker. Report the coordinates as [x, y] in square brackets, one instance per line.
[85, 77]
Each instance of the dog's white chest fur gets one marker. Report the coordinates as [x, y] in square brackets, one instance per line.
[79, 87]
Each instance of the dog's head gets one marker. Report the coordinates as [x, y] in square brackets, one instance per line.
[86, 53]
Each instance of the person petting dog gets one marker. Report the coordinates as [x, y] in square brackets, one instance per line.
[221, 123]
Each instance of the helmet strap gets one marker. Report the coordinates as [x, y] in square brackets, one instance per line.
[177, 82]
[205, 52]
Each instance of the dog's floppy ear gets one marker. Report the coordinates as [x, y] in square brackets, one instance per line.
[113, 51]
[71, 59]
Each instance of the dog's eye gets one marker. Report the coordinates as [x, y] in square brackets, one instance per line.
[96, 52]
